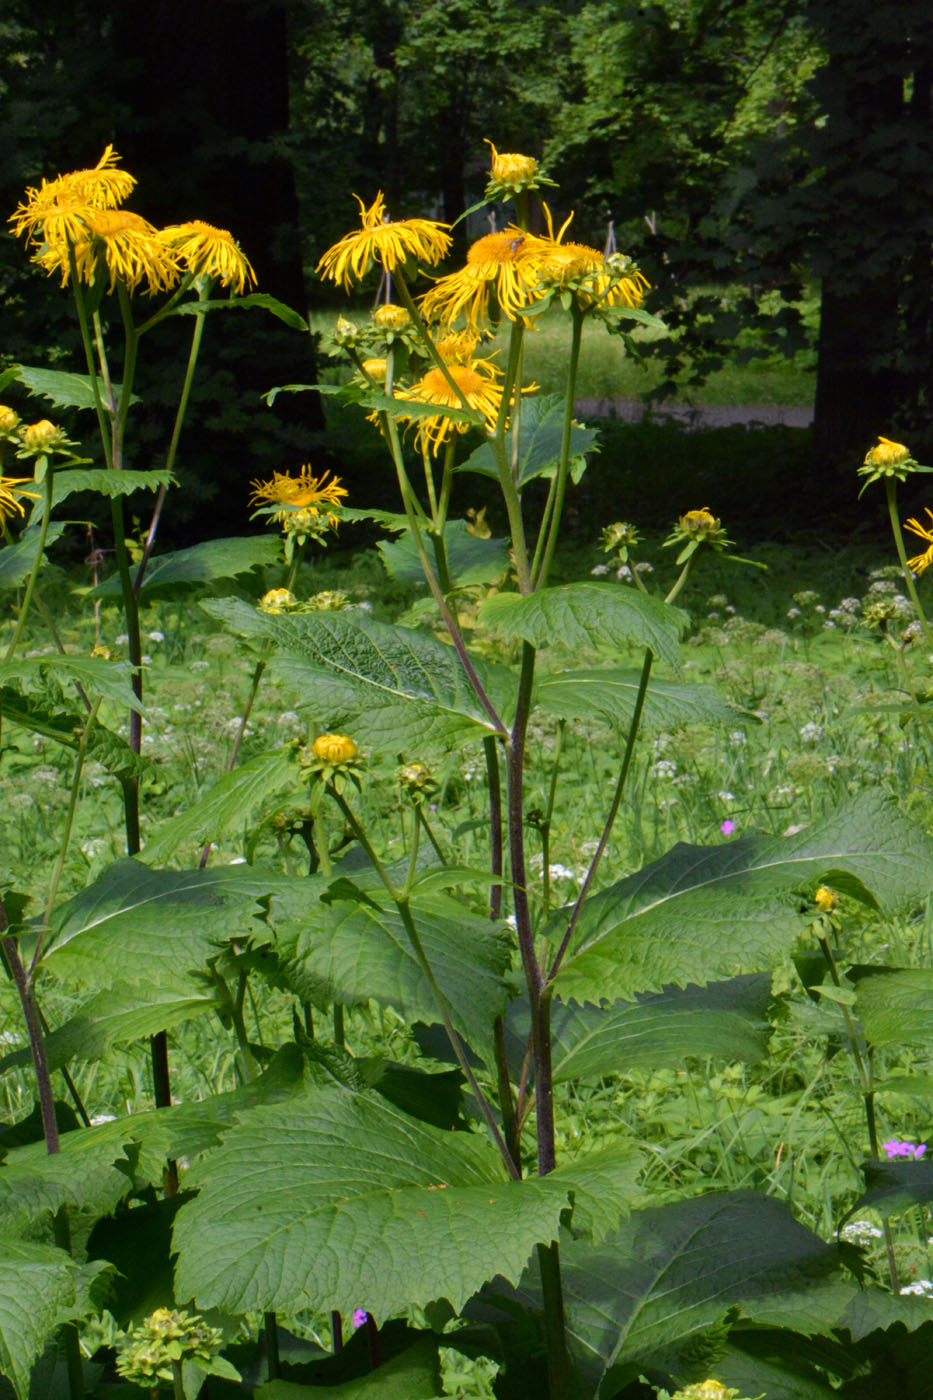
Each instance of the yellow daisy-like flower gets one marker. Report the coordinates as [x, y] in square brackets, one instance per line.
[512, 170]
[886, 454]
[10, 488]
[477, 382]
[505, 262]
[921, 561]
[457, 348]
[384, 242]
[206, 251]
[101, 187]
[334, 748]
[390, 317]
[699, 522]
[595, 279]
[302, 496]
[126, 244]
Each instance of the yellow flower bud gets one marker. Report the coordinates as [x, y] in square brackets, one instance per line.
[277, 600]
[376, 369]
[41, 436]
[9, 420]
[391, 318]
[887, 454]
[512, 169]
[699, 522]
[825, 900]
[334, 748]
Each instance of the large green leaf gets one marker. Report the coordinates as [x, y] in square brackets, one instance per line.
[396, 685]
[107, 483]
[588, 614]
[16, 560]
[202, 563]
[231, 802]
[724, 1021]
[542, 422]
[339, 1200]
[97, 1167]
[702, 912]
[139, 926]
[103, 745]
[114, 1018]
[40, 1288]
[414, 1375]
[109, 679]
[470, 559]
[897, 1007]
[610, 695]
[896, 1184]
[66, 390]
[670, 1272]
[354, 952]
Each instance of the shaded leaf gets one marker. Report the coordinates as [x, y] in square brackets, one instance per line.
[392, 1212]
[470, 559]
[66, 390]
[610, 694]
[40, 1288]
[542, 421]
[414, 1375]
[254, 299]
[110, 679]
[897, 1006]
[202, 563]
[588, 614]
[16, 560]
[702, 912]
[107, 483]
[896, 1184]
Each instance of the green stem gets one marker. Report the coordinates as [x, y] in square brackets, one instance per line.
[541, 569]
[494, 786]
[104, 425]
[891, 492]
[178, 1385]
[548, 816]
[560, 1384]
[37, 562]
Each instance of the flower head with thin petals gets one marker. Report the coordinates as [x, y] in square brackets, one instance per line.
[11, 488]
[384, 242]
[921, 562]
[479, 383]
[301, 498]
[206, 251]
[101, 187]
[125, 245]
[505, 263]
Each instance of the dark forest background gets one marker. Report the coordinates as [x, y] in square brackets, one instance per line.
[740, 147]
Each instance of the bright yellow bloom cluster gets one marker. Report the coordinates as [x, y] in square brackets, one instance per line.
[505, 263]
[78, 228]
[512, 170]
[277, 600]
[302, 496]
[381, 241]
[206, 251]
[825, 900]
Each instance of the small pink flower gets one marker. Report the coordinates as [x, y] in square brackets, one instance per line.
[727, 827]
[359, 1317]
[896, 1148]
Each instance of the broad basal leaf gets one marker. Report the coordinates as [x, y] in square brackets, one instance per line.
[40, 1288]
[702, 912]
[136, 926]
[107, 483]
[341, 1201]
[540, 433]
[354, 952]
[610, 695]
[589, 614]
[202, 563]
[66, 390]
[115, 1018]
[723, 1021]
[395, 685]
[470, 559]
[229, 804]
[16, 560]
[897, 1007]
[110, 679]
[668, 1273]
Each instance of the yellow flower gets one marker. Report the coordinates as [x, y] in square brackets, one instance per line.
[477, 382]
[381, 241]
[514, 171]
[457, 348]
[376, 369]
[9, 421]
[505, 262]
[206, 251]
[277, 600]
[921, 561]
[301, 496]
[126, 244]
[825, 900]
[390, 317]
[10, 488]
[101, 187]
[42, 437]
[334, 748]
[886, 454]
[596, 280]
[699, 522]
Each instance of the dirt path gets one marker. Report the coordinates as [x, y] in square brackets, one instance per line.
[765, 415]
